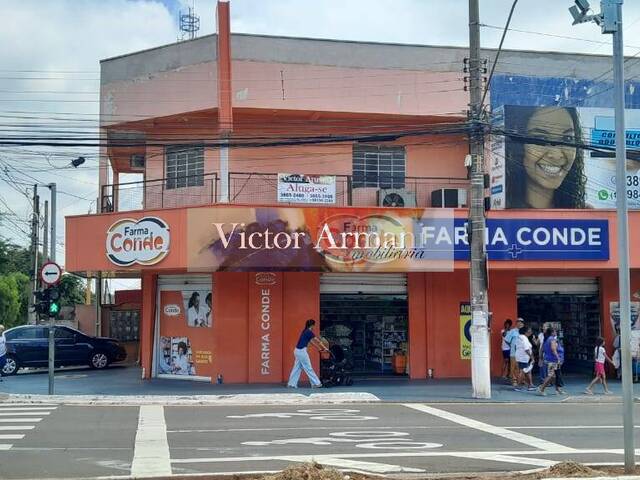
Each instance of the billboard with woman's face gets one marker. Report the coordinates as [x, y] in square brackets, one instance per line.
[560, 157]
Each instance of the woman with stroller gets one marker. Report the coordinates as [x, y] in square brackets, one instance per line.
[302, 360]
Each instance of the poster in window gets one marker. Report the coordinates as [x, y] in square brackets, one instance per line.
[192, 307]
[175, 356]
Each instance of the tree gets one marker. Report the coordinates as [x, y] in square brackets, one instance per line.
[71, 290]
[14, 258]
[14, 300]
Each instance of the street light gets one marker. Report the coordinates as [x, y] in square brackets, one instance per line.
[610, 21]
[77, 162]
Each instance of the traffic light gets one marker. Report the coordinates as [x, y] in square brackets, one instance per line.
[41, 305]
[47, 301]
[54, 301]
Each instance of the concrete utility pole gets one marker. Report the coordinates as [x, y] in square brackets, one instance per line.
[480, 344]
[33, 316]
[52, 320]
[610, 21]
[45, 231]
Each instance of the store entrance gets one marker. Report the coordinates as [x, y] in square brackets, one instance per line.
[575, 316]
[372, 328]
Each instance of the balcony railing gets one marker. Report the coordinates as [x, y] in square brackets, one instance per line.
[252, 189]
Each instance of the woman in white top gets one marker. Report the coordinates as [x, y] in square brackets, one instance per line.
[196, 316]
[506, 349]
[600, 354]
[524, 357]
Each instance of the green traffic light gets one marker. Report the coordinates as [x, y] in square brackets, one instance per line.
[54, 308]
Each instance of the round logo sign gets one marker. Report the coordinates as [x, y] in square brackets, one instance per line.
[144, 241]
[50, 273]
[172, 310]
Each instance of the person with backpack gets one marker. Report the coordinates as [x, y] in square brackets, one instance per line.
[600, 357]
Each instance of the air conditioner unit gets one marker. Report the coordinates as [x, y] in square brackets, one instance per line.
[449, 198]
[396, 197]
[137, 160]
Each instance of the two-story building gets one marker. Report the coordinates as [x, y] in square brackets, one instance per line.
[281, 179]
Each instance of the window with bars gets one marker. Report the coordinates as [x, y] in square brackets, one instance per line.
[378, 166]
[184, 166]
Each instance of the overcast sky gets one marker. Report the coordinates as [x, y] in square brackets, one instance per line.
[49, 62]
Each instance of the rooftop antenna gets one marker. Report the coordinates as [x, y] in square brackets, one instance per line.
[189, 24]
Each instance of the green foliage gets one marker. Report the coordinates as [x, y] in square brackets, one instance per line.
[14, 258]
[13, 299]
[71, 290]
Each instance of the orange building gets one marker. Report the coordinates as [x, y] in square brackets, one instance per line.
[285, 179]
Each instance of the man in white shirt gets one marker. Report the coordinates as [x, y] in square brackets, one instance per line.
[3, 350]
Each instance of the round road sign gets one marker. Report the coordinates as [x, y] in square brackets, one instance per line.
[50, 273]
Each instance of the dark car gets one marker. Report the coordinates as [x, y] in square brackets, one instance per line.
[28, 346]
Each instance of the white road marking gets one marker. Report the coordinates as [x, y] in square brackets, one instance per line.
[11, 436]
[151, 450]
[487, 428]
[539, 462]
[15, 427]
[5, 446]
[25, 409]
[22, 419]
[414, 454]
[359, 466]
[12, 414]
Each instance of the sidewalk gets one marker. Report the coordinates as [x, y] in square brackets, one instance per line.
[126, 381]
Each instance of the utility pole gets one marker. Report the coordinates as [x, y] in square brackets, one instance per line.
[480, 344]
[52, 321]
[33, 316]
[610, 21]
[45, 231]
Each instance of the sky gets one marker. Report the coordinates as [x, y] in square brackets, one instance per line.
[49, 64]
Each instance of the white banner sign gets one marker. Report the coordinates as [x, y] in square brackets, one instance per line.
[315, 189]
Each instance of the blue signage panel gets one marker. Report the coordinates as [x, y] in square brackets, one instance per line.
[540, 239]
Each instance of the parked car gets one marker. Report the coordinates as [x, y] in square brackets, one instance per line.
[28, 346]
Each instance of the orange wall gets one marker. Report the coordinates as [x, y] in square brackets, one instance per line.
[418, 333]
[301, 296]
[231, 326]
[147, 322]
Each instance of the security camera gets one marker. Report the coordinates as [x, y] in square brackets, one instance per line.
[583, 5]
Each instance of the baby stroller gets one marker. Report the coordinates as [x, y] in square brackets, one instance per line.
[336, 367]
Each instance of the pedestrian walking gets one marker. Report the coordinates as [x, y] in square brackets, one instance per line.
[559, 379]
[553, 356]
[506, 349]
[3, 350]
[600, 356]
[524, 357]
[542, 337]
[302, 360]
[512, 338]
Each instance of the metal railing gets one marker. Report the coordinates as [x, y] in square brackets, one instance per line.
[252, 189]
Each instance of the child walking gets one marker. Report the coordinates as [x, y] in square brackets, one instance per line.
[600, 358]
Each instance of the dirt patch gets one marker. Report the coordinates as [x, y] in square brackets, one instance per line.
[571, 469]
[313, 471]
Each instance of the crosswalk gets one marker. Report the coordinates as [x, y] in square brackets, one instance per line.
[17, 419]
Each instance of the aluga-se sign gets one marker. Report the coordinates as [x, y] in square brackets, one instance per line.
[144, 241]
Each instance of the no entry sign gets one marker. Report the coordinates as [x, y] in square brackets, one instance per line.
[50, 273]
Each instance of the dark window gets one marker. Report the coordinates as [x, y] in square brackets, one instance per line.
[125, 325]
[29, 333]
[64, 333]
[378, 166]
[184, 166]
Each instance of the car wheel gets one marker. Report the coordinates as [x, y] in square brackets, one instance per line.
[98, 360]
[11, 366]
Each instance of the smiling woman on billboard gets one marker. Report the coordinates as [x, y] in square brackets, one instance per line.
[540, 174]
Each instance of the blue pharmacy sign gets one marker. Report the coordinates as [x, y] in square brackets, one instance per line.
[539, 239]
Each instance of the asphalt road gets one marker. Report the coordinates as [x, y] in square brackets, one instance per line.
[60, 441]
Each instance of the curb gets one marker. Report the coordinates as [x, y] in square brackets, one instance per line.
[212, 400]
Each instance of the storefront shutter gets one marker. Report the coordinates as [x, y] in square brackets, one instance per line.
[367, 283]
[168, 282]
[557, 285]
